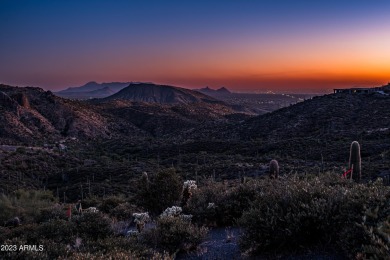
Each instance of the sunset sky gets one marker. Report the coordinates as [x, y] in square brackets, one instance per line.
[294, 46]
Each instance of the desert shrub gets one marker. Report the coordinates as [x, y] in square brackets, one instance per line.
[4, 234]
[7, 209]
[376, 225]
[164, 190]
[90, 201]
[25, 204]
[174, 234]
[216, 203]
[368, 233]
[27, 232]
[56, 211]
[236, 201]
[22, 254]
[204, 201]
[124, 254]
[124, 211]
[292, 212]
[52, 249]
[110, 203]
[58, 230]
[92, 226]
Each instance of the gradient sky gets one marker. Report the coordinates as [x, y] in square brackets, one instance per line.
[243, 45]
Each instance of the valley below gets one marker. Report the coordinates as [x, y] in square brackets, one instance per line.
[57, 151]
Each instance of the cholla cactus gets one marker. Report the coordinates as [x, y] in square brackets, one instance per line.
[186, 217]
[188, 186]
[131, 233]
[171, 212]
[211, 205]
[91, 210]
[140, 219]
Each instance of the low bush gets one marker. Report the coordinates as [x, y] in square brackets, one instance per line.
[289, 213]
[55, 211]
[58, 230]
[24, 204]
[218, 204]
[124, 211]
[163, 191]
[92, 226]
[109, 203]
[173, 234]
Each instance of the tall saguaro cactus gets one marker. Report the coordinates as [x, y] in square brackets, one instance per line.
[274, 169]
[355, 161]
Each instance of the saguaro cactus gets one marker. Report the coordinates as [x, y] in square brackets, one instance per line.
[355, 161]
[145, 181]
[274, 169]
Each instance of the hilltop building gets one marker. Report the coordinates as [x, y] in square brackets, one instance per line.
[382, 89]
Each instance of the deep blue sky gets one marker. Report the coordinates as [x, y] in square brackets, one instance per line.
[239, 44]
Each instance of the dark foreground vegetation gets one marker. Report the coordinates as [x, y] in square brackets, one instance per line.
[275, 215]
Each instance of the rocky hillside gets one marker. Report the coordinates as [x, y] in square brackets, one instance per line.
[335, 115]
[167, 120]
[321, 128]
[32, 114]
[29, 114]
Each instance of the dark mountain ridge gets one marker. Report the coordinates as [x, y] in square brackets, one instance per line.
[92, 90]
[92, 86]
[214, 92]
[161, 94]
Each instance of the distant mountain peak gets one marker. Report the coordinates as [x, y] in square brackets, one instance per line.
[213, 92]
[91, 83]
[223, 90]
[93, 89]
[162, 94]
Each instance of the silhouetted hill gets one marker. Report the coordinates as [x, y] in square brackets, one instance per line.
[99, 93]
[92, 90]
[161, 94]
[214, 93]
